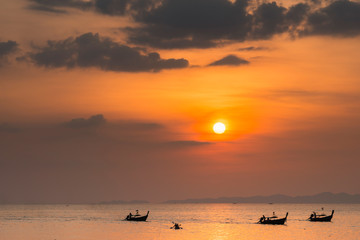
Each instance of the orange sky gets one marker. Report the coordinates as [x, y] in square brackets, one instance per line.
[291, 117]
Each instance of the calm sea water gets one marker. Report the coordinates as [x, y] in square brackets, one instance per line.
[199, 221]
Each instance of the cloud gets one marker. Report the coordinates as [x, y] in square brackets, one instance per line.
[340, 18]
[316, 2]
[122, 7]
[191, 24]
[205, 24]
[90, 50]
[111, 7]
[268, 20]
[46, 9]
[57, 6]
[93, 121]
[6, 48]
[169, 24]
[252, 48]
[230, 60]
[153, 36]
[296, 14]
[107, 7]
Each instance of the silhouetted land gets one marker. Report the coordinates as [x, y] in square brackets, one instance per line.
[325, 197]
[124, 202]
[68, 202]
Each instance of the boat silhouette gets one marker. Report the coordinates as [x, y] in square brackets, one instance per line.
[137, 217]
[320, 218]
[273, 220]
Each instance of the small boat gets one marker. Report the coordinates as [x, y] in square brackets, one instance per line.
[137, 217]
[176, 226]
[273, 220]
[320, 218]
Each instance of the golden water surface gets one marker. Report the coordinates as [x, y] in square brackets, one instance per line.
[199, 221]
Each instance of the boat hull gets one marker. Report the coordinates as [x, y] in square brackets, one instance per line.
[280, 221]
[137, 218]
[322, 219]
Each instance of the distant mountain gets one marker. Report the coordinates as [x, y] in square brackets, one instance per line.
[325, 197]
[124, 202]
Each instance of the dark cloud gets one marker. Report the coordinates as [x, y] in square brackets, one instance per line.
[268, 20]
[141, 6]
[230, 60]
[112, 7]
[90, 50]
[340, 18]
[204, 23]
[158, 37]
[182, 24]
[45, 8]
[296, 14]
[57, 6]
[203, 15]
[191, 24]
[108, 7]
[7, 48]
[316, 2]
[252, 48]
[122, 7]
[93, 121]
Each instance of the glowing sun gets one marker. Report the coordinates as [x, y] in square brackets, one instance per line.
[219, 128]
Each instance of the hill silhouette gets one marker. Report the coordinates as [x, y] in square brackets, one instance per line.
[325, 197]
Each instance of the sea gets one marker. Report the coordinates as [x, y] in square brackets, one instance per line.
[199, 221]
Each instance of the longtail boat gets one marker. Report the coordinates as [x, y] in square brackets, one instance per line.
[272, 220]
[137, 217]
[320, 218]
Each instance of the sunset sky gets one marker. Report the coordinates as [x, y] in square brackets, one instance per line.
[106, 100]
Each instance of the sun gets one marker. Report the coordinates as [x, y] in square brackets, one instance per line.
[219, 128]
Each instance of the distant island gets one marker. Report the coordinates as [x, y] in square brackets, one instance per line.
[124, 202]
[325, 197]
[78, 202]
[322, 198]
